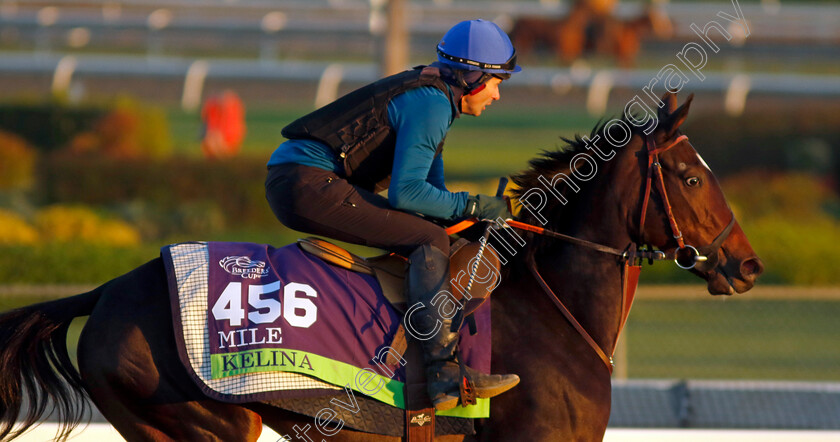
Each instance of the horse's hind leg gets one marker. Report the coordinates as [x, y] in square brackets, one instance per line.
[145, 404]
[129, 363]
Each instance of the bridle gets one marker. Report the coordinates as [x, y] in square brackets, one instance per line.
[686, 256]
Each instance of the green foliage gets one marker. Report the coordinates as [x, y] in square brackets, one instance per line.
[191, 193]
[797, 251]
[70, 262]
[788, 219]
[123, 128]
[62, 223]
[48, 126]
[794, 196]
[196, 219]
[15, 230]
[17, 162]
[129, 130]
[153, 136]
[79, 262]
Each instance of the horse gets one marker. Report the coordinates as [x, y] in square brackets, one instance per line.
[587, 30]
[573, 257]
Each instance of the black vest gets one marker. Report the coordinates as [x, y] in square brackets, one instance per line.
[356, 125]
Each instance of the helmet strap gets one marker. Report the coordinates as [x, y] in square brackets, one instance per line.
[478, 89]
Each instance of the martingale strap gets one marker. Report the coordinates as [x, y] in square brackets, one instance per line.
[629, 283]
[532, 265]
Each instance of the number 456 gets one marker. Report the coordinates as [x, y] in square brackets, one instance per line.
[267, 309]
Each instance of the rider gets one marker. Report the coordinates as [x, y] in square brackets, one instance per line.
[389, 135]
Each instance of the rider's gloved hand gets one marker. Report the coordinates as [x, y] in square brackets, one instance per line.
[487, 207]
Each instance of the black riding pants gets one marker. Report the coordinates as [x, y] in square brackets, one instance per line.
[317, 201]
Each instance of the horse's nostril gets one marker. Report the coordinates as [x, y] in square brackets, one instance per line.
[752, 267]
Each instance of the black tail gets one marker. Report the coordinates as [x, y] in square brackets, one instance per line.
[34, 362]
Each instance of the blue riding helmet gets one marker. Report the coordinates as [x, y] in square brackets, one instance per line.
[478, 45]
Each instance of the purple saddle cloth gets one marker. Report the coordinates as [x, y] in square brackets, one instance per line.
[258, 323]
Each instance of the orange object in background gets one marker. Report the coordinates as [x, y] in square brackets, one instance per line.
[223, 119]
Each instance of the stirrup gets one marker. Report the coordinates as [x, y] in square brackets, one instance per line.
[466, 387]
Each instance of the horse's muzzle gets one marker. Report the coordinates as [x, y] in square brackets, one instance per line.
[731, 276]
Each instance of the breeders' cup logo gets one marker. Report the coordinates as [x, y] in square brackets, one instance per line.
[421, 419]
[243, 266]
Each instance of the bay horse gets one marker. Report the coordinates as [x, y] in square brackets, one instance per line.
[587, 30]
[128, 365]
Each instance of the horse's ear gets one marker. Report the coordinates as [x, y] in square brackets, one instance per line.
[675, 119]
[670, 100]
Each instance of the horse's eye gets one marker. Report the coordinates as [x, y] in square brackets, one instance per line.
[692, 181]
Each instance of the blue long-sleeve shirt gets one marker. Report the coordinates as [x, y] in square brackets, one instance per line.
[420, 117]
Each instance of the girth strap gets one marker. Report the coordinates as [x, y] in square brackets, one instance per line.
[419, 411]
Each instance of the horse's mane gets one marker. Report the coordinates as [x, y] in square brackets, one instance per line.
[551, 162]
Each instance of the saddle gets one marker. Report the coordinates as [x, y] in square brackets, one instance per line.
[390, 269]
[473, 278]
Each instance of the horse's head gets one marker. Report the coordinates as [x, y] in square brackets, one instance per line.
[686, 198]
[657, 191]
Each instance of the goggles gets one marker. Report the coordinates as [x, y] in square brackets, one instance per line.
[509, 65]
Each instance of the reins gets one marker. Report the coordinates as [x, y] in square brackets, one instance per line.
[623, 254]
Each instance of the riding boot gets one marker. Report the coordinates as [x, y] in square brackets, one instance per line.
[428, 274]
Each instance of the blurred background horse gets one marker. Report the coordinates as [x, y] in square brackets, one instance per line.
[590, 28]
